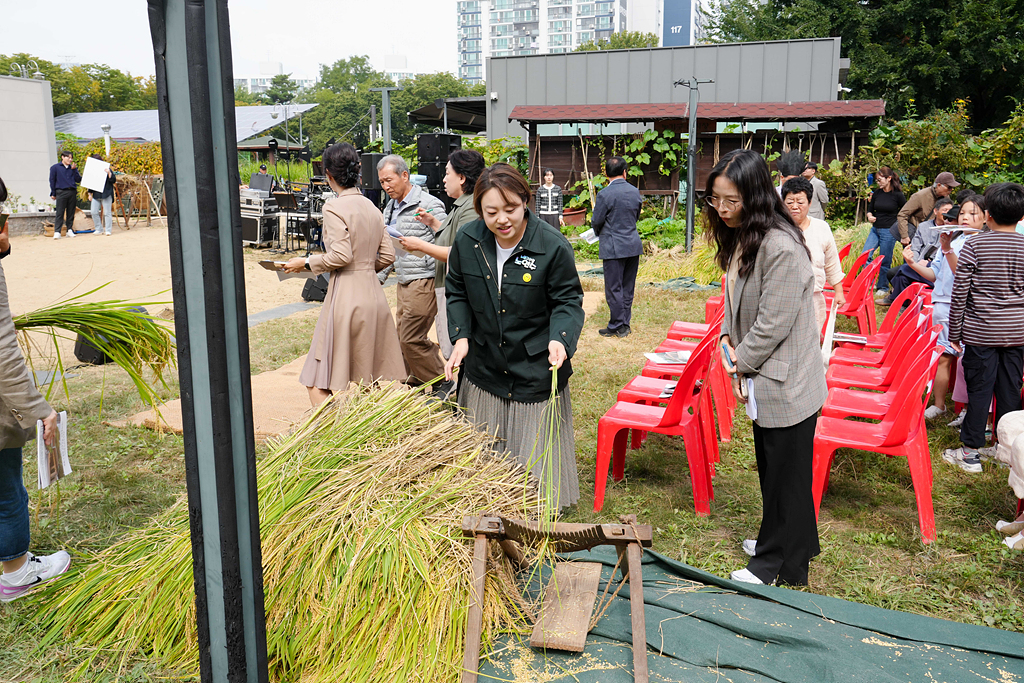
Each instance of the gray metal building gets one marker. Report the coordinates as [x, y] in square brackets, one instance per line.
[778, 71]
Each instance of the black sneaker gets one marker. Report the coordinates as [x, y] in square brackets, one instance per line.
[623, 331]
[443, 390]
[607, 332]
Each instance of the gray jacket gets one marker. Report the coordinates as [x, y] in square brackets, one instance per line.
[771, 324]
[615, 215]
[411, 268]
[820, 198]
[20, 403]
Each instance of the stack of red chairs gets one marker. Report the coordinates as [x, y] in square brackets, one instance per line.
[889, 381]
[686, 413]
[860, 301]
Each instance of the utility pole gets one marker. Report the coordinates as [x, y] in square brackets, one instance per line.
[195, 99]
[691, 155]
[385, 94]
[373, 122]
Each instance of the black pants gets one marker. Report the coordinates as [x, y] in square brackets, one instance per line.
[903, 278]
[619, 285]
[988, 370]
[67, 202]
[788, 538]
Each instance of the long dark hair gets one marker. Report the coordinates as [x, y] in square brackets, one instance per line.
[341, 162]
[763, 210]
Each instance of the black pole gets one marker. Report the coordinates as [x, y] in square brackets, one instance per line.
[192, 47]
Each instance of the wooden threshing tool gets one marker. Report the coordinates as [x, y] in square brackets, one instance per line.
[571, 592]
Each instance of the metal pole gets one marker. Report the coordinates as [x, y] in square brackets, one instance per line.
[691, 157]
[373, 122]
[192, 49]
[445, 117]
[386, 102]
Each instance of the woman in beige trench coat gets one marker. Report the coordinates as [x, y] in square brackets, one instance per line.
[355, 338]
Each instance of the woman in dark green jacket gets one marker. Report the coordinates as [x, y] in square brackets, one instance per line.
[514, 315]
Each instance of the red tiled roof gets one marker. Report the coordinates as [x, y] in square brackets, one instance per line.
[718, 111]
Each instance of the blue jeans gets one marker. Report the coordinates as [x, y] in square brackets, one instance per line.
[108, 219]
[881, 237]
[14, 533]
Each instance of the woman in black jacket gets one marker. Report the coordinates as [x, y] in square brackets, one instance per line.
[515, 313]
[883, 206]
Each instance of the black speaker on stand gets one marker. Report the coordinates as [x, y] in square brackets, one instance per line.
[437, 146]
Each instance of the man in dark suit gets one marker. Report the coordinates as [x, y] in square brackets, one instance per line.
[615, 214]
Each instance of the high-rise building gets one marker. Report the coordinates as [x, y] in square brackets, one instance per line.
[505, 28]
[681, 22]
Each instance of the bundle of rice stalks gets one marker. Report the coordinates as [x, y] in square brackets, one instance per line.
[129, 337]
[366, 573]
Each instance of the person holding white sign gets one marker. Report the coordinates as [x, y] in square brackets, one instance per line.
[102, 199]
[20, 406]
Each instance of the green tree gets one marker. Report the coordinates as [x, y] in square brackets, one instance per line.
[917, 56]
[346, 74]
[89, 87]
[623, 40]
[282, 89]
[244, 98]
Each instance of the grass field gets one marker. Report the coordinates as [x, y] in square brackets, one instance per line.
[871, 548]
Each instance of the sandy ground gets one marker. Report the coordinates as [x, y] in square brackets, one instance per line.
[136, 263]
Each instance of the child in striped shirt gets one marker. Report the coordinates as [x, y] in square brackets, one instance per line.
[986, 319]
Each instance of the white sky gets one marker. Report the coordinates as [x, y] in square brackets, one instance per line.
[301, 34]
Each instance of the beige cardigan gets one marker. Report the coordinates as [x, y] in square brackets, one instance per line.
[20, 403]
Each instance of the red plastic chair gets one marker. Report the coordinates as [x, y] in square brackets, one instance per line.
[681, 417]
[843, 403]
[721, 384]
[904, 331]
[860, 302]
[884, 376]
[901, 433]
[851, 275]
[648, 389]
[894, 315]
[845, 251]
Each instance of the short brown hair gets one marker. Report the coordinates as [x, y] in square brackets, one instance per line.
[506, 179]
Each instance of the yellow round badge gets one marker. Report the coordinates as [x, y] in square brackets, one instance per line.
[526, 277]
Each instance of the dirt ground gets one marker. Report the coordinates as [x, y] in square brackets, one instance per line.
[41, 271]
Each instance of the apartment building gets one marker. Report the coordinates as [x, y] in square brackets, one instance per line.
[511, 28]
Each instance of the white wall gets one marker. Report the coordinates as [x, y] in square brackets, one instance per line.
[27, 144]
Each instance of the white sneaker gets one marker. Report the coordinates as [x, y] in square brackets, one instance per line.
[959, 419]
[881, 293]
[746, 576]
[932, 412]
[750, 546]
[1010, 528]
[56, 235]
[968, 462]
[107, 234]
[71, 233]
[97, 232]
[35, 572]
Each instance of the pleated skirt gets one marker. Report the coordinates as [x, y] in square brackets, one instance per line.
[529, 434]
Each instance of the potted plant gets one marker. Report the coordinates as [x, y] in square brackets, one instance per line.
[583, 201]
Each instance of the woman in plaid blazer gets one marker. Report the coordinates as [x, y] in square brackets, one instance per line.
[770, 340]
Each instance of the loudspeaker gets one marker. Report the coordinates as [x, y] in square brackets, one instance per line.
[87, 353]
[434, 170]
[315, 288]
[436, 146]
[370, 181]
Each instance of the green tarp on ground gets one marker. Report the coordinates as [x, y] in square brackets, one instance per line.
[703, 628]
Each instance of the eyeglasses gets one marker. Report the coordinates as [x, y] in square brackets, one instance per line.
[717, 203]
